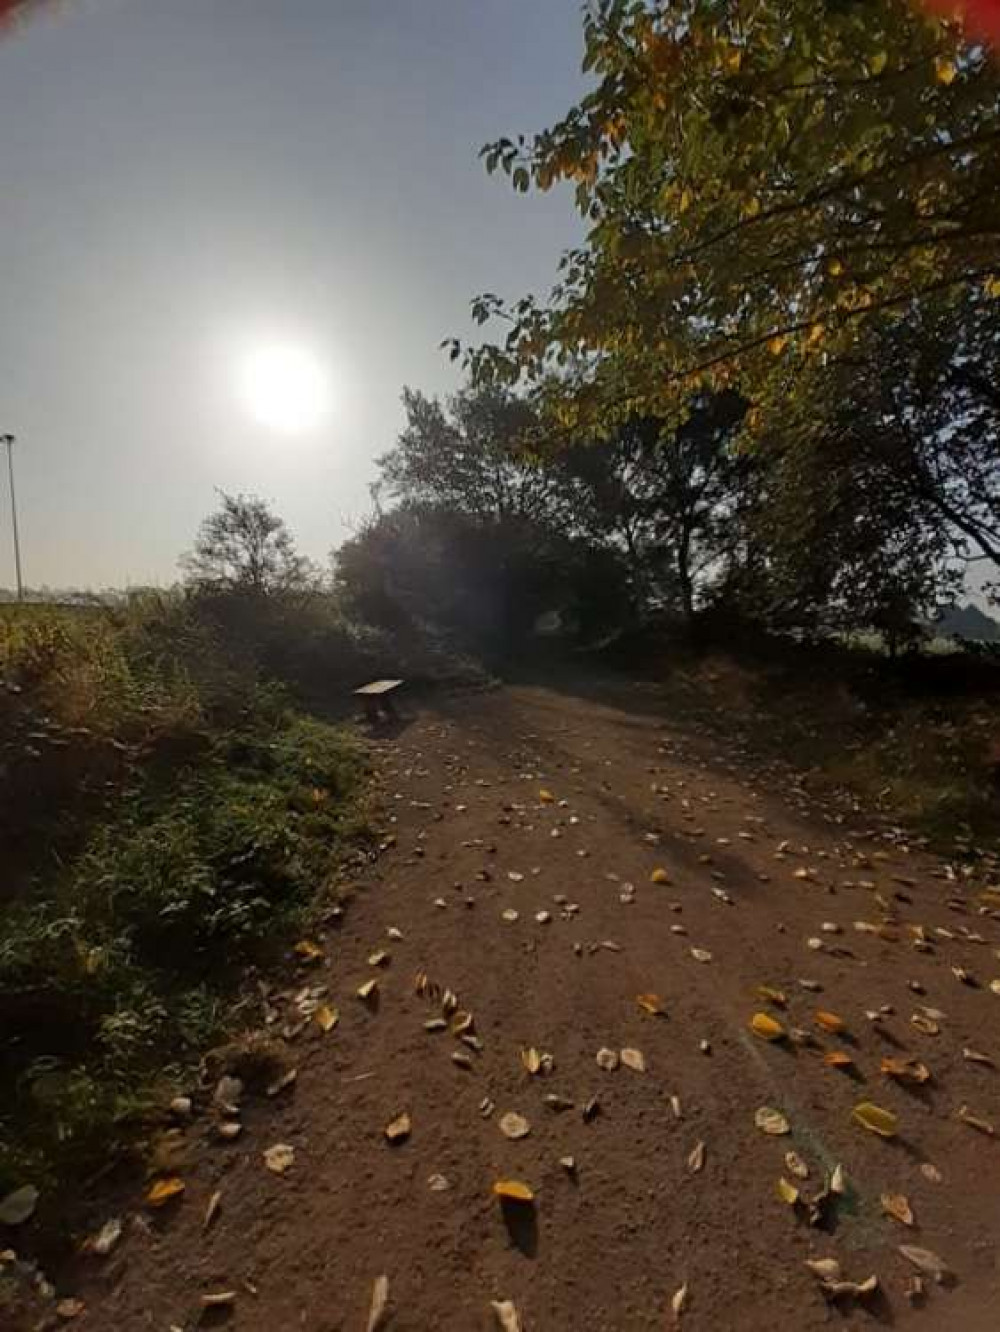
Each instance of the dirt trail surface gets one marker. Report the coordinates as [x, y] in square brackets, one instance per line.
[763, 891]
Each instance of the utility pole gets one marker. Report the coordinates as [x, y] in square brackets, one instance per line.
[9, 441]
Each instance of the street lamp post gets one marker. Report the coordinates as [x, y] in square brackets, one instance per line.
[9, 441]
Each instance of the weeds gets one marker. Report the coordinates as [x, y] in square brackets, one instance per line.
[172, 822]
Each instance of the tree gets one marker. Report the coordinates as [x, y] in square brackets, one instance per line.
[244, 547]
[761, 180]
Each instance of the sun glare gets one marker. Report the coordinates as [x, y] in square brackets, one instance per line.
[285, 388]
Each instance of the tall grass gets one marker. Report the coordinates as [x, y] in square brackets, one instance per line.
[168, 819]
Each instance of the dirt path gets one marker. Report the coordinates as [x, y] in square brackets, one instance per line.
[754, 875]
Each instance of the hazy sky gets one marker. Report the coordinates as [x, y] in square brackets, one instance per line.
[185, 182]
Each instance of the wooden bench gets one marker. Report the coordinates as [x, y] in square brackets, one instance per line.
[377, 700]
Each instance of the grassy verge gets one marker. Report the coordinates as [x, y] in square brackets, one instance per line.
[171, 822]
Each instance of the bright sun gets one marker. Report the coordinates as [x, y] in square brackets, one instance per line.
[285, 388]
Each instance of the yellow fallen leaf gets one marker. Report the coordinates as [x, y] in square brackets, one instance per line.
[380, 958]
[367, 991]
[508, 1319]
[878, 62]
[279, 1158]
[679, 1301]
[659, 876]
[633, 1059]
[772, 996]
[769, 1120]
[875, 1119]
[379, 1306]
[787, 1192]
[701, 954]
[514, 1126]
[531, 1060]
[765, 1026]
[651, 1004]
[399, 1130]
[513, 1190]
[308, 951]
[546, 797]
[326, 1017]
[163, 1190]
[696, 1158]
[898, 1207]
[829, 1022]
[462, 1023]
[945, 71]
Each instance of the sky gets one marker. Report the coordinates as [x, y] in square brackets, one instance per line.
[189, 187]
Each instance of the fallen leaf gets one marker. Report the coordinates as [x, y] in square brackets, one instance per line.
[326, 1017]
[367, 991]
[701, 954]
[462, 1023]
[849, 1290]
[974, 1057]
[796, 1166]
[546, 797]
[930, 1172]
[838, 1059]
[906, 1070]
[106, 1238]
[633, 1059]
[531, 1059]
[696, 1158]
[163, 1190]
[829, 1022]
[279, 1158]
[16, 1207]
[513, 1190]
[399, 1130]
[281, 1083]
[230, 1129]
[825, 1269]
[212, 1210]
[379, 958]
[659, 876]
[651, 1004]
[462, 1060]
[509, 915]
[607, 1059]
[925, 1260]
[218, 1299]
[506, 1315]
[770, 1121]
[70, 1308]
[875, 1119]
[898, 1207]
[766, 1027]
[679, 1301]
[925, 1024]
[838, 1182]
[973, 1121]
[568, 1164]
[512, 1125]
[379, 1305]
[787, 1192]
[772, 996]
[675, 1107]
[308, 951]
[438, 1183]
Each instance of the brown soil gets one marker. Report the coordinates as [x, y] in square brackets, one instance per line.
[608, 1247]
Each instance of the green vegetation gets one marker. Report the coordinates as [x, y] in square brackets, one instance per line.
[173, 819]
